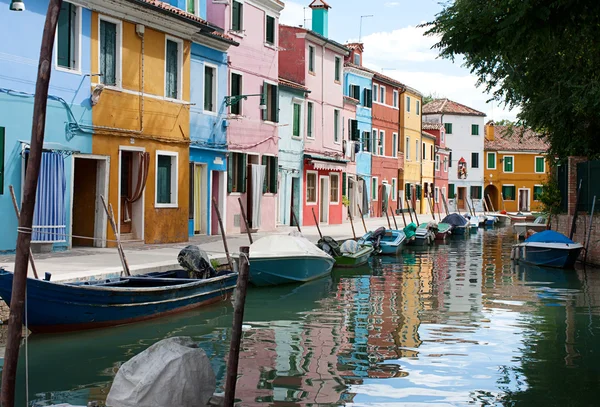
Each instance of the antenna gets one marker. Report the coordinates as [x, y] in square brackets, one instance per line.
[360, 28]
[305, 19]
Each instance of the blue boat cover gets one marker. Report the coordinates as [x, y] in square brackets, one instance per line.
[455, 219]
[549, 236]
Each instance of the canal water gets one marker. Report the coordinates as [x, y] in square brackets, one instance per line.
[453, 324]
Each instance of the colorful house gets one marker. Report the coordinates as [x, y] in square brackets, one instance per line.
[427, 170]
[350, 187]
[292, 107]
[67, 164]
[358, 83]
[311, 59]
[464, 128]
[409, 176]
[442, 156]
[252, 126]
[516, 166]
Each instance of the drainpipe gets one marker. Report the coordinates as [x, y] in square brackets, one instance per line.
[421, 147]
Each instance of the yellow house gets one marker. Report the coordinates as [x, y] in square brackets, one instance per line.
[427, 170]
[409, 177]
[140, 55]
[515, 168]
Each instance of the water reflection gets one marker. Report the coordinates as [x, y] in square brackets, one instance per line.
[452, 324]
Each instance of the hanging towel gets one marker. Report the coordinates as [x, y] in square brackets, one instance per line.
[49, 216]
[258, 180]
[365, 197]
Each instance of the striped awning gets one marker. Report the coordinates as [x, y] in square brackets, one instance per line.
[320, 165]
[54, 147]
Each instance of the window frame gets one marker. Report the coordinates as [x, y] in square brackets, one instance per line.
[241, 28]
[395, 99]
[267, 42]
[271, 161]
[417, 151]
[437, 162]
[512, 157]
[119, 51]
[395, 145]
[174, 179]
[473, 128]
[331, 184]
[240, 187]
[316, 175]
[179, 43]
[541, 187]
[337, 75]
[310, 124]
[78, 43]
[240, 103]
[374, 136]
[418, 108]
[448, 126]
[269, 98]
[375, 92]
[382, 94]
[394, 189]
[196, 7]
[374, 191]
[543, 164]
[514, 198]
[408, 104]
[300, 105]
[407, 152]
[357, 63]
[474, 155]
[381, 144]
[446, 160]
[336, 126]
[215, 89]
[424, 151]
[311, 59]
[487, 157]
[442, 135]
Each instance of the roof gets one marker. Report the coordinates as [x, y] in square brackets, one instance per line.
[356, 46]
[377, 75]
[432, 126]
[348, 99]
[429, 135]
[293, 85]
[319, 4]
[319, 36]
[516, 138]
[447, 106]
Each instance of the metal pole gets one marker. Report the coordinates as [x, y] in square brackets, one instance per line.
[362, 217]
[245, 220]
[18, 213]
[317, 223]
[236, 330]
[17, 302]
[216, 208]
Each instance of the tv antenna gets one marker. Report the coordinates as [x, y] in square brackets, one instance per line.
[360, 28]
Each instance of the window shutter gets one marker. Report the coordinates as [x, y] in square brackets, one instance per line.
[108, 44]
[407, 190]
[296, 125]
[450, 191]
[276, 103]
[243, 181]
[230, 172]
[265, 89]
[63, 36]
[355, 131]
[2, 142]
[450, 159]
[343, 184]
[274, 173]
[418, 192]
[264, 161]
[235, 23]
[270, 30]
[190, 6]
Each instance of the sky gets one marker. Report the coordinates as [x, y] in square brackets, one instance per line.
[395, 46]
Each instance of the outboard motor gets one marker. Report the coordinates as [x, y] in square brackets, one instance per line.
[376, 236]
[195, 261]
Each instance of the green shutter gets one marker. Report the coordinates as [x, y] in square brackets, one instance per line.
[344, 184]
[407, 191]
[296, 125]
[309, 120]
[451, 193]
[355, 132]
[337, 69]
[163, 180]
[208, 88]
[537, 192]
[475, 130]
[232, 156]
[236, 18]
[270, 30]
[275, 90]
[491, 161]
[264, 161]
[2, 148]
[236, 90]
[274, 174]
[508, 192]
[448, 128]
[539, 164]
[418, 192]
[191, 6]
[108, 52]
[265, 89]
[242, 173]
[64, 35]
[508, 164]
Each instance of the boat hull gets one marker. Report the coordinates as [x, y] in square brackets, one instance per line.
[58, 307]
[548, 256]
[521, 228]
[351, 260]
[266, 271]
[460, 230]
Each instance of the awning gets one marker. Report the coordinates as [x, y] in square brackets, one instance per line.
[320, 165]
[54, 147]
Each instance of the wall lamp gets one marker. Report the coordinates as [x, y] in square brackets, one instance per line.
[17, 5]
[234, 100]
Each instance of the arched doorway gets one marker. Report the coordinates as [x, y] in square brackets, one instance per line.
[491, 194]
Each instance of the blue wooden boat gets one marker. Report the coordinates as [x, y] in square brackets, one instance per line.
[548, 249]
[282, 259]
[384, 241]
[460, 224]
[61, 307]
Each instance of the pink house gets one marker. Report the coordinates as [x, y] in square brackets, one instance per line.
[442, 160]
[252, 133]
[310, 58]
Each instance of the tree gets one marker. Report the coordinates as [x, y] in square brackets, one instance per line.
[541, 55]
[430, 97]
[504, 122]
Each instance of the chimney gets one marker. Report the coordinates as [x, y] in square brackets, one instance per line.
[320, 18]
[489, 131]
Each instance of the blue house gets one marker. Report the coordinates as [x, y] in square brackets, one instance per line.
[64, 190]
[209, 115]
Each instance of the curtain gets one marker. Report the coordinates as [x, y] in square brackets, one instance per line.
[197, 198]
[258, 179]
[49, 217]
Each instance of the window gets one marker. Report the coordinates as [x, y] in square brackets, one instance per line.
[394, 145]
[311, 59]
[297, 116]
[356, 59]
[407, 191]
[450, 159]
[237, 16]
[445, 164]
[443, 135]
[368, 98]
[334, 189]
[381, 150]
[431, 153]
[476, 192]
[395, 99]
[271, 171]
[354, 92]
[2, 148]
[270, 30]
[444, 192]
[418, 110]
[271, 97]
[336, 126]
[436, 197]
[338, 69]
[192, 7]
[210, 86]
[374, 182]
[374, 139]
[311, 187]
[166, 179]
[394, 189]
[237, 165]
[382, 94]
[407, 148]
[417, 150]
[173, 68]
[537, 192]
[309, 120]
[451, 191]
[508, 192]
[437, 162]
[408, 104]
[236, 90]
[448, 128]
[475, 130]
[508, 164]
[353, 128]
[375, 92]
[474, 160]
[366, 141]
[540, 165]
[424, 152]
[110, 46]
[67, 37]
[491, 161]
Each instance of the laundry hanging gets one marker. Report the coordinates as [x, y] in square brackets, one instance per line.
[258, 179]
[143, 166]
[49, 216]
[365, 197]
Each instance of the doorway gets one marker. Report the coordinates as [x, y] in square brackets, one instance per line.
[217, 191]
[352, 192]
[199, 196]
[462, 195]
[295, 207]
[524, 200]
[324, 199]
[133, 174]
[88, 219]
[491, 195]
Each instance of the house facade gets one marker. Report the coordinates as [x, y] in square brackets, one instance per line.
[516, 167]
[351, 189]
[67, 162]
[311, 59]
[409, 176]
[252, 125]
[441, 160]
[464, 129]
[427, 171]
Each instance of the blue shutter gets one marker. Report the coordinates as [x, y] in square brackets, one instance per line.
[2, 160]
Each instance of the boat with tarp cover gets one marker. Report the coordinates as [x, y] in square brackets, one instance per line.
[548, 249]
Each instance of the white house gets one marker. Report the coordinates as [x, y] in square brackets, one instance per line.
[465, 128]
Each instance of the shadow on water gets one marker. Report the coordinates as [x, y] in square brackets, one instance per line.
[453, 324]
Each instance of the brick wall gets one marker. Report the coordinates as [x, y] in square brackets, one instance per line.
[562, 224]
[573, 182]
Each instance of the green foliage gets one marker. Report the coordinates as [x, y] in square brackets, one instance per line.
[215, 263]
[551, 196]
[345, 201]
[542, 56]
[504, 122]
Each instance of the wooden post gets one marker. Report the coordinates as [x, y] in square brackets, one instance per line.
[17, 301]
[113, 225]
[393, 217]
[295, 219]
[216, 208]
[388, 219]
[445, 204]
[351, 223]
[245, 220]
[469, 207]
[502, 197]
[362, 217]
[574, 223]
[409, 212]
[490, 199]
[402, 212]
[587, 243]
[18, 213]
[431, 208]
[317, 223]
[236, 330]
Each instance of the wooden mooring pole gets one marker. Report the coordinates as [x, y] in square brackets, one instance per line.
[295, 219]
[401, 212]
[351, 223]
[393, 217]
[388, 219]
[236, 330]
[362, 218]
[113, 224]
[317, 223]
[18, 213]
[216, 208]
[245, 220]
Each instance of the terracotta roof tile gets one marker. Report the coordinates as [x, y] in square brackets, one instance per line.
[448, 106]
[356, 46]
[432, 126]
[291, 84]
[516, 138]
[173, 9]
[319, 3]
[376, 74]
[351, 100]
[429, 135]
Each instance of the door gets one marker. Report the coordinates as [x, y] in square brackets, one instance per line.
[524, 200]
[324, 200]
[198, 197]
[216, 195]
[295, 201]
[462, 194]
[84, 201]
[126, 190]
[352, 197]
